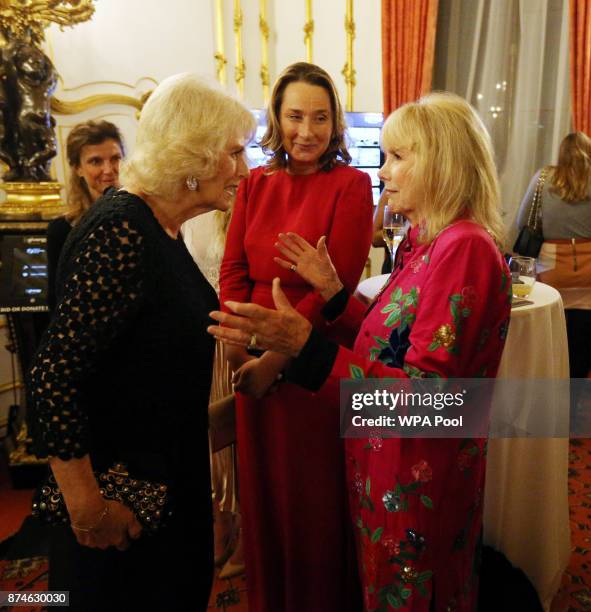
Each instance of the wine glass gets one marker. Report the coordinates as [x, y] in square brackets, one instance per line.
[523, 275]
[393, 230]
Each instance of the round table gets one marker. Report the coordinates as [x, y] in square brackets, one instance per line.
[526, 494]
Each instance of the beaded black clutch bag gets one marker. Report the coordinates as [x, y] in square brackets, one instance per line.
[148, 501]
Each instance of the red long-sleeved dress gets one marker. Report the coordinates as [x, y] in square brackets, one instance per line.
[297, 534]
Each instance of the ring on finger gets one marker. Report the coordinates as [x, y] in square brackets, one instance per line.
[253, 341]
[293, 267]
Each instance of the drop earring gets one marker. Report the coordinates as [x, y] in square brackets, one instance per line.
[192, 183]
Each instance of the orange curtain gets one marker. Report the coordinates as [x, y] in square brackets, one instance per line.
[408, 49]
[580, 64]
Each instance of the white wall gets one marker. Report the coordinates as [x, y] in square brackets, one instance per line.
[129, 46]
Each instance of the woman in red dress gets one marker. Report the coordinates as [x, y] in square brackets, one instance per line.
[416, 503]
[298, 543]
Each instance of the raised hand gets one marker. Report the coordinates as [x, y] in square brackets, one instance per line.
[312, 264]
[283, 330]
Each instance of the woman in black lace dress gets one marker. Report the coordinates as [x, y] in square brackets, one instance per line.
[126, 359]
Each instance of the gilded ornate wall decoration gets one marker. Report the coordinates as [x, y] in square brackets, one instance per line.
[264, 28]
[240, 68]
[220, 58]
[27, 19]
[309, 31]
[349, 71]
[64, 107]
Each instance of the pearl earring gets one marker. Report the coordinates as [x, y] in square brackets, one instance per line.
[192, 183]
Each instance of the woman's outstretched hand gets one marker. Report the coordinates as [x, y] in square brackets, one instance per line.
[312, 264]
[283, 330]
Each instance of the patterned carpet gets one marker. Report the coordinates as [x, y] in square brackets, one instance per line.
[27, 569]
[575, 591]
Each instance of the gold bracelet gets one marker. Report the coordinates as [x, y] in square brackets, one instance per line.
[87, 529]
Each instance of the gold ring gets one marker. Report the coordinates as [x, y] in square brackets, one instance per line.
[293, 267]
[253, 341]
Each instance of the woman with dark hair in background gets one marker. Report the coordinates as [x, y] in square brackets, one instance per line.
[297, 540]
[94, 150]
[565, 257]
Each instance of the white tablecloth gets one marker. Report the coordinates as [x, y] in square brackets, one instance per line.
[526, 493]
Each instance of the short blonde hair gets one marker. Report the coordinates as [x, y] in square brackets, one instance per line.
[272, 141]
[184, 126]
[570, 177]
[454, 162]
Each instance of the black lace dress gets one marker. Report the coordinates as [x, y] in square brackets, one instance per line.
[124, 373]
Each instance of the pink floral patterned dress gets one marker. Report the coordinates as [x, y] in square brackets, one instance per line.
[417, 503]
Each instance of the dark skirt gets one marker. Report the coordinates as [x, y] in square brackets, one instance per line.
[172, 570]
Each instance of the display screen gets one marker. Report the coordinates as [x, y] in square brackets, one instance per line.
[23, 273]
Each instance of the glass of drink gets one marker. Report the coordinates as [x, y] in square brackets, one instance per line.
[523, 275]
[393, 230]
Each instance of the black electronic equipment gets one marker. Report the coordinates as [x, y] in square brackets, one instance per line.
[23, 273]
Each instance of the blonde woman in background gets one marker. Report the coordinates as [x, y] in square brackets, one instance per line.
[565, 257]
[205, 237]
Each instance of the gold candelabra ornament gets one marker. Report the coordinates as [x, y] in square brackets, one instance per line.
[308, 31]
[22, 19]
[264, 28]
[349, 71]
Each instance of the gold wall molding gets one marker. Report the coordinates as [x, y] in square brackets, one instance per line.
[239, 68]
[349, 71]
[66, 107]
[264, 28]
[309, 31]
[219, 56]
[108, 83]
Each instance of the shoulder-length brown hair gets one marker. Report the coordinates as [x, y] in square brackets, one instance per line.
[570, 177]
[87, 133]
[272, 141]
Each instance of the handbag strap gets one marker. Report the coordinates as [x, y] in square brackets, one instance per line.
[535, 212]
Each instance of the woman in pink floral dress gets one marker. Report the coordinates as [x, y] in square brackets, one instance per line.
[444, 313]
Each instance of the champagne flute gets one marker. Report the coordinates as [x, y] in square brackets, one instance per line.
[393, 230]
